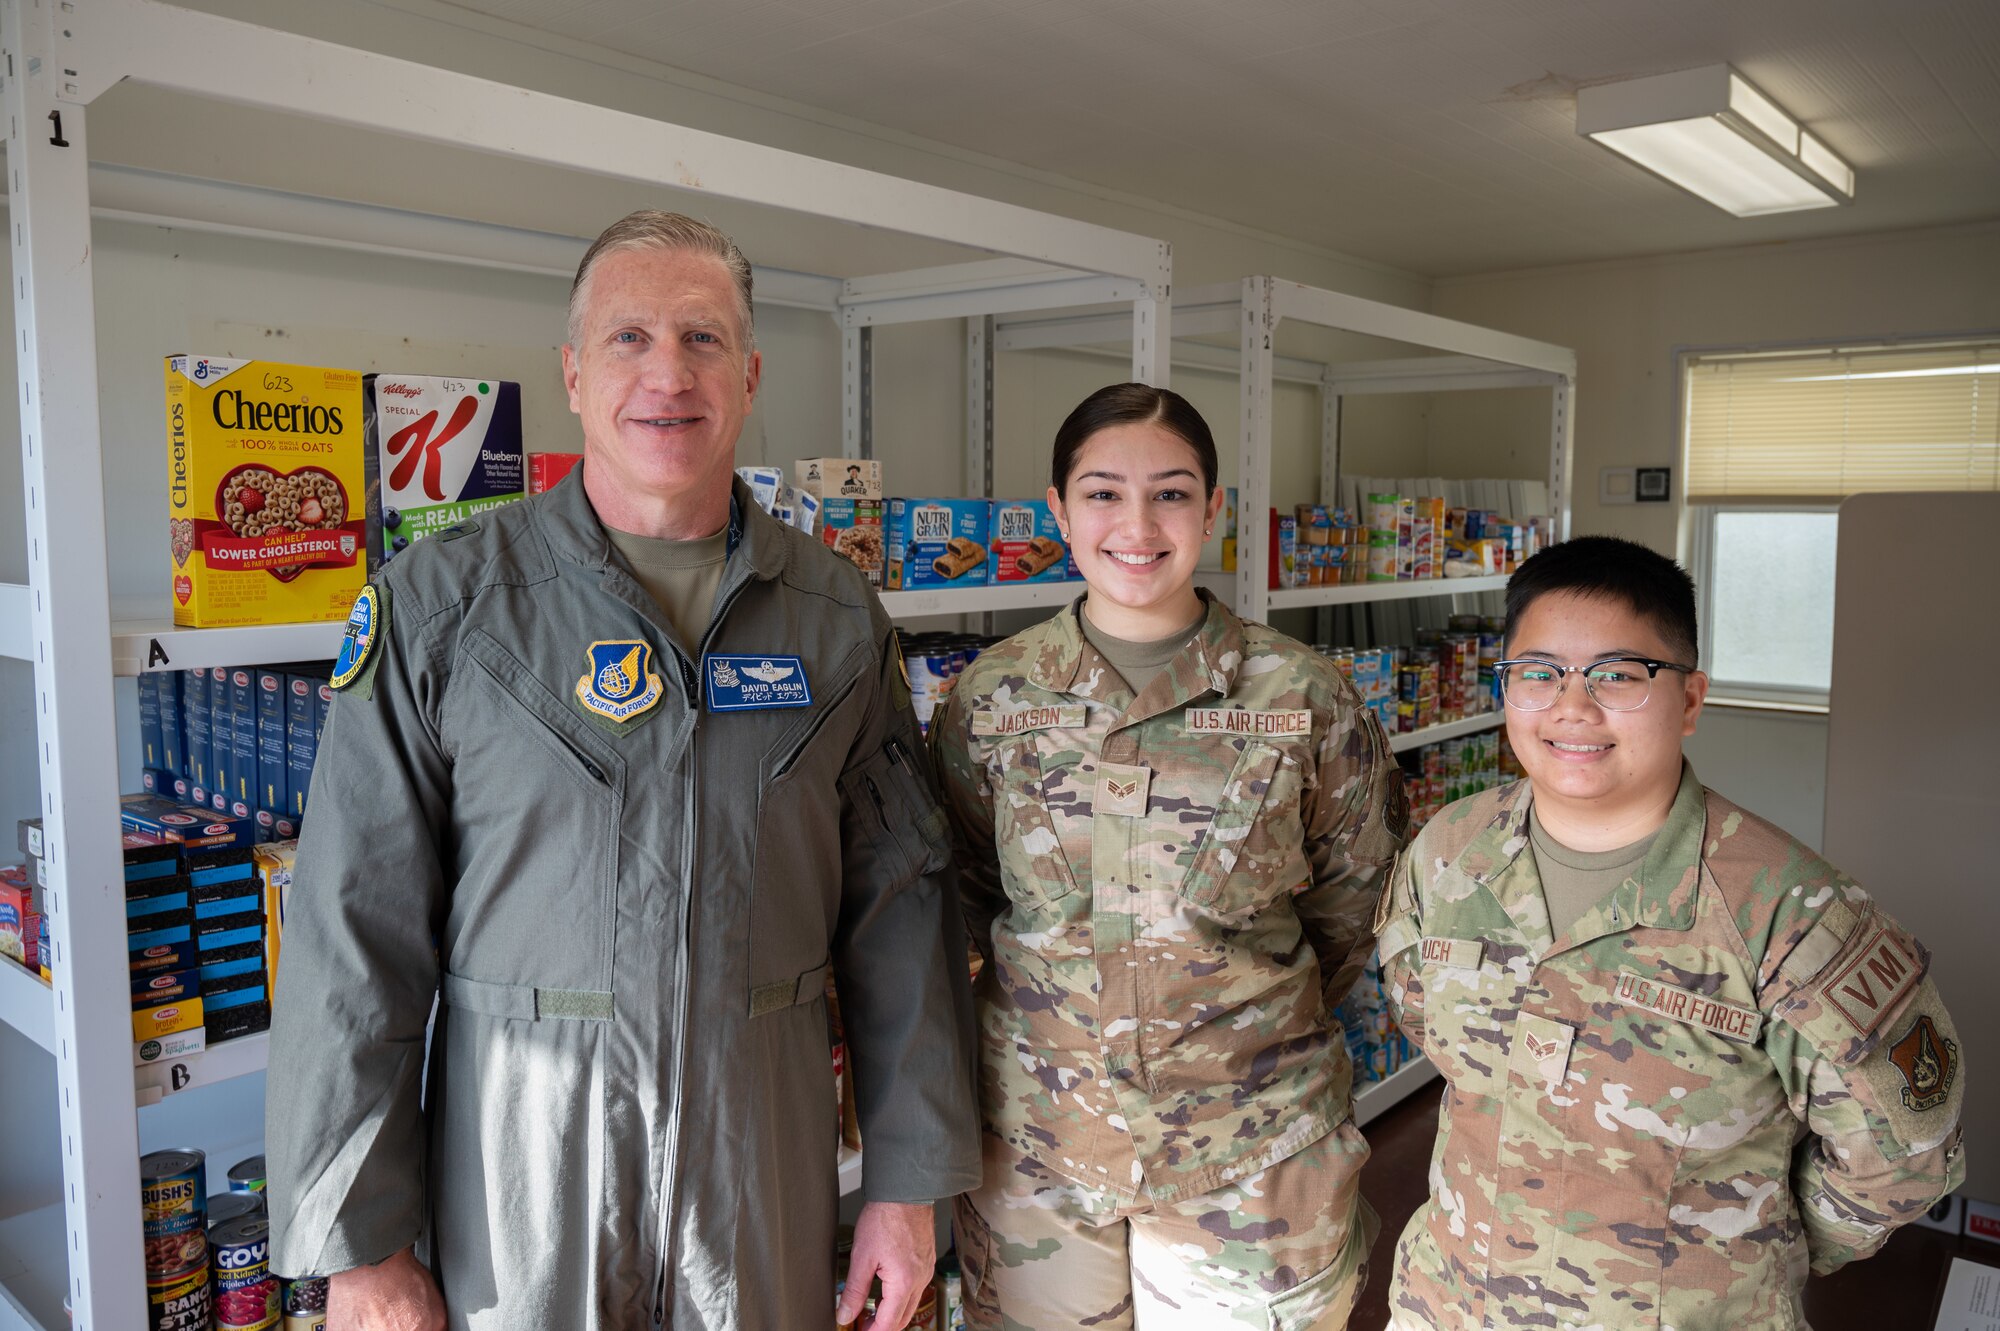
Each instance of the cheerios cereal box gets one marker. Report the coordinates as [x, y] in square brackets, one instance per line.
[265, 488]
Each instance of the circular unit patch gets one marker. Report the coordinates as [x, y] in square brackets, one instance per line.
[363, 628]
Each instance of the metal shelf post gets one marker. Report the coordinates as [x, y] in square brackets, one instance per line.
[63, 465]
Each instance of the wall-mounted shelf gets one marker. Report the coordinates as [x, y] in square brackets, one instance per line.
[1444, 730]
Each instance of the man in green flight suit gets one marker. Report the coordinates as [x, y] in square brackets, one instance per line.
[619, 775]
[1686, 1059]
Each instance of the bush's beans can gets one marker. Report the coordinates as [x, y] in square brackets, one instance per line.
[247, 1175]
[305, 1304]
[180, 1304]
[173, 1192]
[246, 1293]
[229, 1205]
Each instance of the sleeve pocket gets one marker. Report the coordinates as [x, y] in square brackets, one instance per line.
[910, 823]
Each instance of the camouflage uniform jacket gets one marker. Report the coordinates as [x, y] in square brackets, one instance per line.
[1172, 891]
[1734, 1067]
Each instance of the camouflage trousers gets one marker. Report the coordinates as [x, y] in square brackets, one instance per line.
[1282, 1250]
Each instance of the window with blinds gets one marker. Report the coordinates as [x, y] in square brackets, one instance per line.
[1819, 425]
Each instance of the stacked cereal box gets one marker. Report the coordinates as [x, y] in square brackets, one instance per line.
[439, 451]
[849, 491]
[265, 482]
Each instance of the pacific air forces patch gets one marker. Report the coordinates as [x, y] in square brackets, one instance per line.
[1928, 1061]
[621, 682]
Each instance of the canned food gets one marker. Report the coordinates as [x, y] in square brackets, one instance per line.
[173, 1190]
[247, 1175]
[246, 1293]
[180, 1304]
[229, 1205]
[305, 1304]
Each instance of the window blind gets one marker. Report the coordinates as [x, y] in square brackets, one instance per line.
[1839, 421]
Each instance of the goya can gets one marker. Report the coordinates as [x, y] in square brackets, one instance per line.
[224, 1206]
[246, 1293]
[305, 1304]
[173, 1192]
[247, 1175]
[180, 1304]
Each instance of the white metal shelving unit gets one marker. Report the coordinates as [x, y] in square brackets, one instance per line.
[1378, 1097]
[1252, 311]
[61, 56]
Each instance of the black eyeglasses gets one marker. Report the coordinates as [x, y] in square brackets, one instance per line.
[1617, 683]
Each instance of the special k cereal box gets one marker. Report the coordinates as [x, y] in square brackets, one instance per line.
[265, 487]
[439, 451]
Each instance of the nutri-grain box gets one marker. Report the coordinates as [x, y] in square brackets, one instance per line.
[937, 542]
[439, 451]
[1025, 544]
[264, 481]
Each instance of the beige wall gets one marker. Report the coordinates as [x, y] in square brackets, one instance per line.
[1626, 321]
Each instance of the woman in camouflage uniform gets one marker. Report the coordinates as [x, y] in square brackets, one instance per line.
[1172, 829]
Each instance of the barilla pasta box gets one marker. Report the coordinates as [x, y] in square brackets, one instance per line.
[1024, 543]
[852, 529]
[439, 451]
[937, 542]
[188, 825]
[265, 484]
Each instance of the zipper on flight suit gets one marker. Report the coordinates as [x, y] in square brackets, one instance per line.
[670, 1184]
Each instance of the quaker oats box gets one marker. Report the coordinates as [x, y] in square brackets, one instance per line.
[937, 542]
[265, 490]
[439, 451]
[852, 529]
[1025, 544]
[839, 478]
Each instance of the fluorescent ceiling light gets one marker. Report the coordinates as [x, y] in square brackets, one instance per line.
[1713, 134]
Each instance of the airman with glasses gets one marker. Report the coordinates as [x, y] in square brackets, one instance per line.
[1686, 1058]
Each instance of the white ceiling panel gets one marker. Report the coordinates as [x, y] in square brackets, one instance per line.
[1434, 135]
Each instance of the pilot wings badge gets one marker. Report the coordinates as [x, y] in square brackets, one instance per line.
[621, 682]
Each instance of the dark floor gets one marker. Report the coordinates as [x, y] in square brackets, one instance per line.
[1896, 1290]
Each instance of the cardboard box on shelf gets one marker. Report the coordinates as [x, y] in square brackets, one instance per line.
[852, 529]
[440, 449]
[936, 542]
[267, 520]
[545, 470]
[1025, 543]
[839, 478]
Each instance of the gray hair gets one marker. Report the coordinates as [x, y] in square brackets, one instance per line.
[654, 229]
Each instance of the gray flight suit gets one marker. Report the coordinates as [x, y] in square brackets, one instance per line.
[629, 1112]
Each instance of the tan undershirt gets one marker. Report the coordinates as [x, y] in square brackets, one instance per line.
[1575, 880]
[681, 576]
[1140, 663]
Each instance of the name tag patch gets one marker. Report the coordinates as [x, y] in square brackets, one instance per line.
[1122, 790]
[1242, 721]
[748, 683]
[1731, 1021]
[1866, 988]
[1459, 953]
[1019, 720]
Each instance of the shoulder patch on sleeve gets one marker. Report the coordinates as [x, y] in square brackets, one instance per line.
[1866, 985]
[1820, 945]
[367, 624]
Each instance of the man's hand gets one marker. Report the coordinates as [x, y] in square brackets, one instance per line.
[395, 1294]
[898, 1242]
